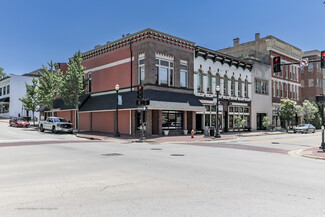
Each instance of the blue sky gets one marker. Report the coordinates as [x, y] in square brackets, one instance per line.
[34, 32]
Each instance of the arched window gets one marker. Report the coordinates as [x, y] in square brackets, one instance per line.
[232, 86]
[246, 88]
[199, 80]
[209, 83]
[225, 84]
[240, 92]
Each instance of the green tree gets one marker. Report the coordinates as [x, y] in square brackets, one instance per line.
[239, 122]
[288, 109]
[73, 84]
[266, 122]
[317, 121]
[2, 74]
[49, 86]
[30, 100]
[308, 111]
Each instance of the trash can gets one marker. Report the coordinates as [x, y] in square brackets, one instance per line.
[211, 131]
[206, 131]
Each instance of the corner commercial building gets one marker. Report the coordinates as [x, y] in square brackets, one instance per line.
[161, 62]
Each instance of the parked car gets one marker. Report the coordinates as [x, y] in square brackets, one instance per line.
[56, 124]
[18, 122]
[305, 128]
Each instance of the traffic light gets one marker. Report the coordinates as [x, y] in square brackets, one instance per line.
[276, 64]
[140, 92]
[322, 59]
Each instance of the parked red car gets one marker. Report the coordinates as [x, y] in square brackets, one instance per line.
[18, 122]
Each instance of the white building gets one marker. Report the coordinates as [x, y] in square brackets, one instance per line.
[12, 88]
[261, 94]
[233, 75]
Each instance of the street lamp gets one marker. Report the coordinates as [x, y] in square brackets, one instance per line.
[116, 133]
[217, 134]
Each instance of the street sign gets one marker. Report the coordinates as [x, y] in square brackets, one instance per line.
[304, 62]
[141, 108]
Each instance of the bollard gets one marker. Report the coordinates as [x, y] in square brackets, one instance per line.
[192, 134]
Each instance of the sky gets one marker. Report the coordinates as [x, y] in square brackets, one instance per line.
[34, 32]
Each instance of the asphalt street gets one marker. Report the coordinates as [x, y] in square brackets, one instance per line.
[45, 174]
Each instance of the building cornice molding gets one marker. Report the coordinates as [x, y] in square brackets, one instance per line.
[137, 37]
[222, 58]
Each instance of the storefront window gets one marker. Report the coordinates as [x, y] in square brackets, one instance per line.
[172, 120]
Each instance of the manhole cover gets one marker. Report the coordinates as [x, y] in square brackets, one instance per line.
[111, 154]
[156, 149]
[177, 155]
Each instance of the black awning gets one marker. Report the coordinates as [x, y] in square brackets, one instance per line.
[108, 101]
[59, 103]
[6, 99]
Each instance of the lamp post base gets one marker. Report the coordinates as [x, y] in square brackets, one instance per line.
[117, 134]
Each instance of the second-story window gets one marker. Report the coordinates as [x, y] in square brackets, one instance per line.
[1, 91]
[89, 82]
[232, 86]
[225, 85]
[183, 74]
[246, 88]
[164, 72]
[209, 82]
[240, 91]
[199, 80]
[8, 89]
[141, 71]
[4, 90]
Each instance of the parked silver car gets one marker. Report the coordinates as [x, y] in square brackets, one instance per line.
[305, 128]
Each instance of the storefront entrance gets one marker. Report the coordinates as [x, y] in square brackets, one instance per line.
[259, 121]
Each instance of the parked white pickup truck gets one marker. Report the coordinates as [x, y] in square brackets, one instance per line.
[56, 124]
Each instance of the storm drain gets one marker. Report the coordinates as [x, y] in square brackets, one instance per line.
[177, 155]
[156, 149]
[112, 154]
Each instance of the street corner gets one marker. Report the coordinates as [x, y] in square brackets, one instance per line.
[312, 152]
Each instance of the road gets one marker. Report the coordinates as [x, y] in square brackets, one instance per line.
[77, 177]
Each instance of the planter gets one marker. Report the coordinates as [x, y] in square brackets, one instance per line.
[166, 132]
[185, 132]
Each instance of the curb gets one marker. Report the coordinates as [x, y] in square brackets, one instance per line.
[298, 153]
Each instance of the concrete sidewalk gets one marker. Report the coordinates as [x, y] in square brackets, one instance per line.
[313, 152]
[169, 139]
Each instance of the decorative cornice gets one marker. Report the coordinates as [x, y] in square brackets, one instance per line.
[139, 36]
[222, 58]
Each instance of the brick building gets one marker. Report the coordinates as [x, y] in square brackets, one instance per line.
[286, 84]
[312, 78]
[162, 63]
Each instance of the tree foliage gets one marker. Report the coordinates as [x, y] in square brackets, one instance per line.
[288, 109]
[308, 111]
[49, 85]
[30, 100]
[239, 122]
[266, 122]
[2, 74]
[73, 83]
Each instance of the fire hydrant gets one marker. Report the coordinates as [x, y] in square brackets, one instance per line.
[192, 134]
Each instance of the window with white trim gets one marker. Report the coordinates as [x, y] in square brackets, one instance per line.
[164, 72]
[183, 74]
[209, 83]
[141, 71]
[89, 82]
